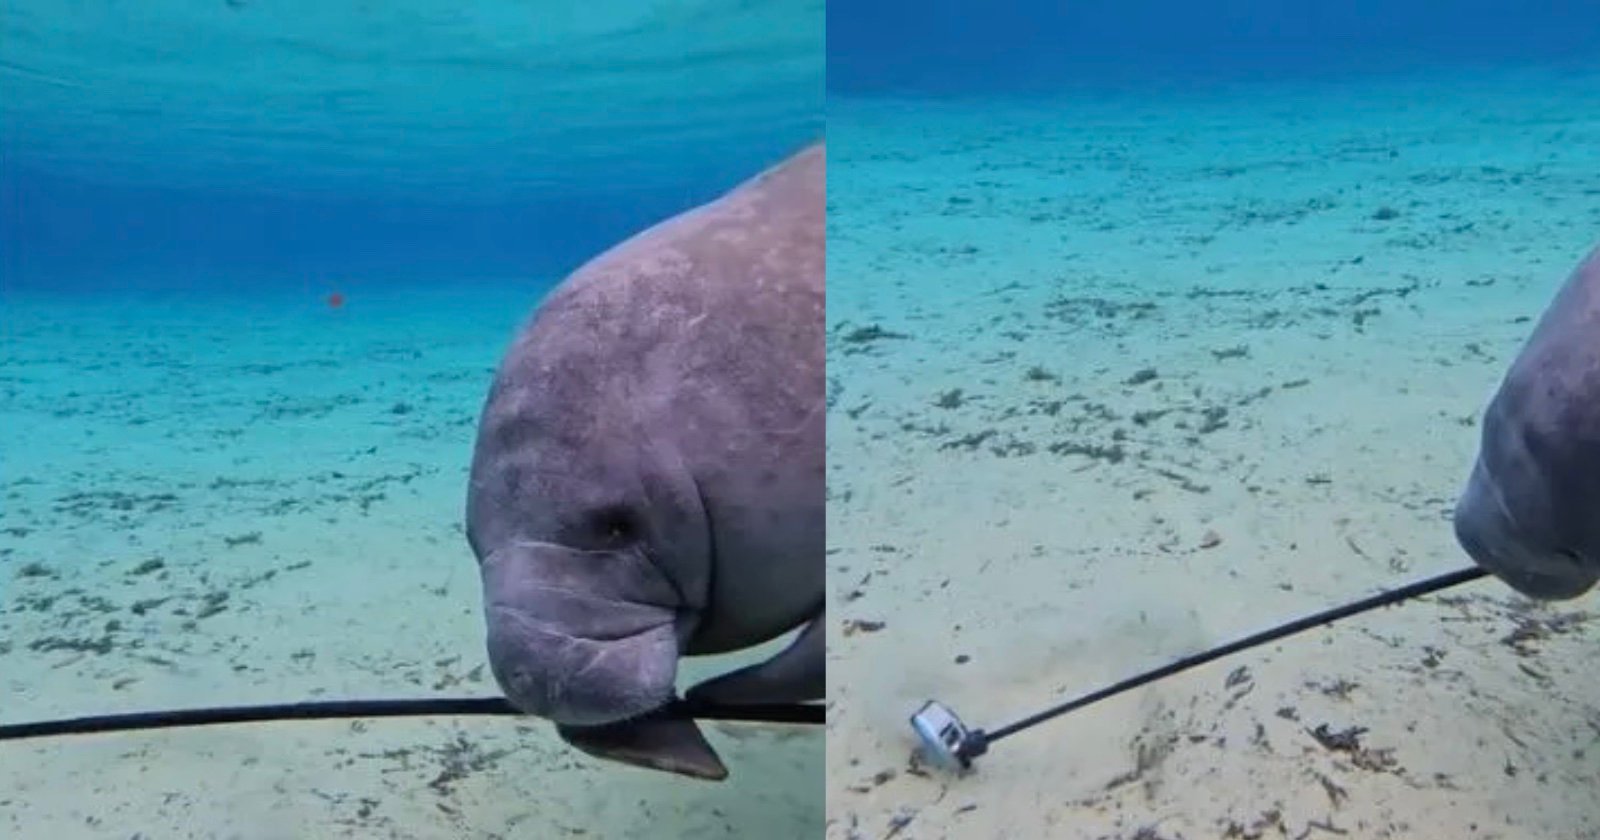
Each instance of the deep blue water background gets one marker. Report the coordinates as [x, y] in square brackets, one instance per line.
[87, 226]
[228, 145]
[73, 233]
[966, 47]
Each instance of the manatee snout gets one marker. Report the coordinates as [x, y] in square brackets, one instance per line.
[581, 638]
[1525, 558]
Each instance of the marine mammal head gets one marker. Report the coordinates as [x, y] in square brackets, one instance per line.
[593, 551]
[1528, 559]
[581, 637]
[1530, 513]
[673, 380]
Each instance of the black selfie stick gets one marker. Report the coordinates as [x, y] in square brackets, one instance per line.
[950, 743]
[794, 713]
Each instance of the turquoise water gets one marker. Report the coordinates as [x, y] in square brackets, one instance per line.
[1152, 325]
[217, 487]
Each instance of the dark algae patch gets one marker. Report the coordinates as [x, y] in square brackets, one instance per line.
[1348, 742]
[459, 759]
[853, 340]
[35, 570]
[154, 564]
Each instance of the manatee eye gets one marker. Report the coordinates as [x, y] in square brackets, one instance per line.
[614, 525]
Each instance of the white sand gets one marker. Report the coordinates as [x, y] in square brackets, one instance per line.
[312, 465]
[999, 237]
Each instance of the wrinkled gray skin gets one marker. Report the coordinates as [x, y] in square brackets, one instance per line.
[648, 480]
[1531, 510]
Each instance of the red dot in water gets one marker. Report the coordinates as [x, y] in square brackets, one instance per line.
[335, 300]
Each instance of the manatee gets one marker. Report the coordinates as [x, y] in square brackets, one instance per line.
[648, 477]
[1530, 513]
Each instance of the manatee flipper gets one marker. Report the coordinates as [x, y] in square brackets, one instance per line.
[657, 741]
[667, 740]
[796, 674]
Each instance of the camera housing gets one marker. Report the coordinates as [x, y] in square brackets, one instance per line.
[946, 741]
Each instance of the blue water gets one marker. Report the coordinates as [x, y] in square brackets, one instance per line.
[947, 47]
[1186, 311]
[258, 260]
[1155, 324]
[165, 139]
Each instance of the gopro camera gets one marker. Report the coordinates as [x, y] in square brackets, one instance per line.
[946, 741]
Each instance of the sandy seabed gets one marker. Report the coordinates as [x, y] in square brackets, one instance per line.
[229, 498]
[1116, 379]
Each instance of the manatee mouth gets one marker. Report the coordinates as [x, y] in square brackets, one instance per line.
[581, 681]
[580, 638]
[1495, 541]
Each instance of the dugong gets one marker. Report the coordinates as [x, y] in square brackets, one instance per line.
[648, 478]
[1530, 513]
